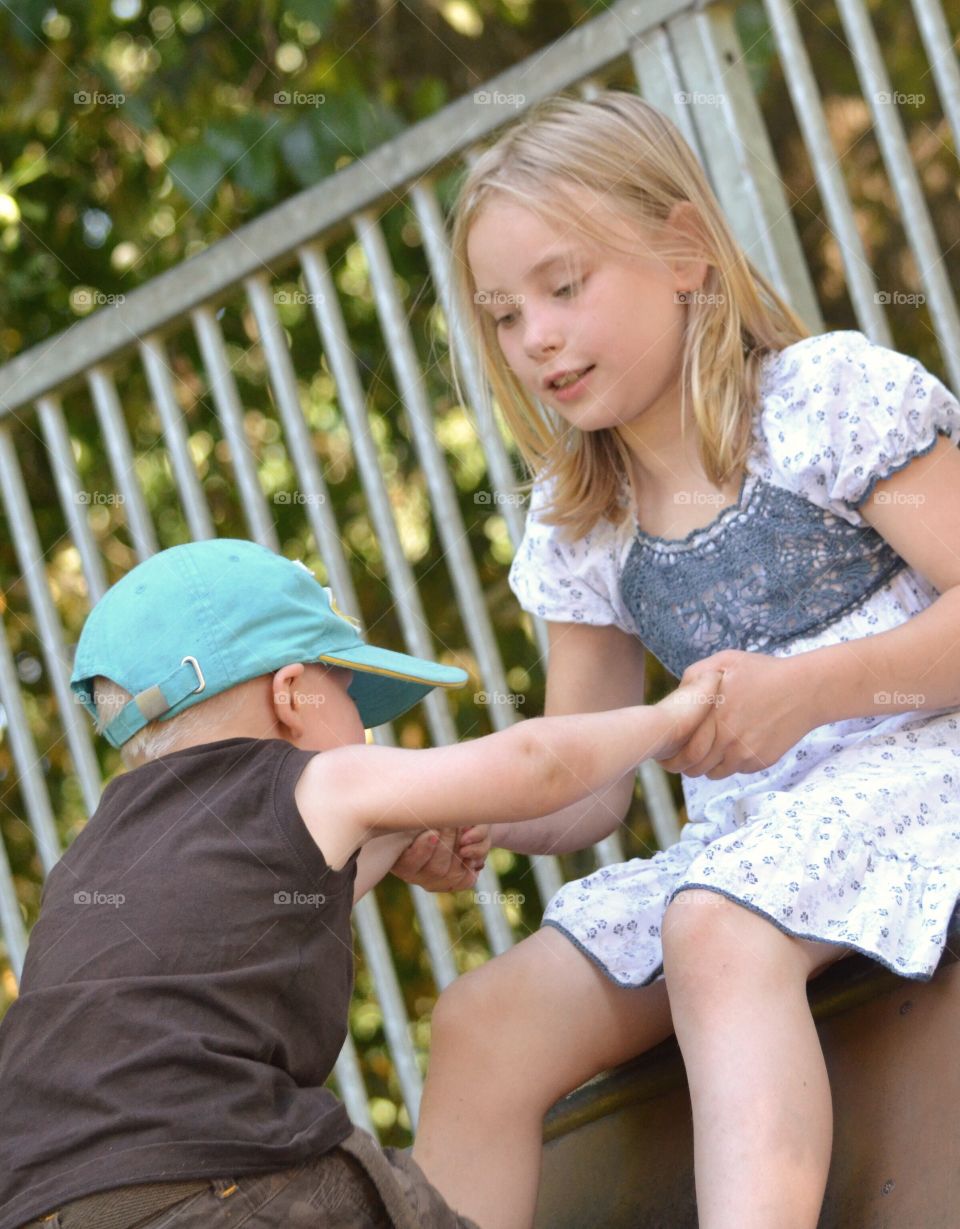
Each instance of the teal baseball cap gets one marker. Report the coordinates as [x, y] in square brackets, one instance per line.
[197, 619]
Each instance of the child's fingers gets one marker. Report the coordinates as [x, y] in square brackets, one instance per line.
[696, 748]
[417, 854]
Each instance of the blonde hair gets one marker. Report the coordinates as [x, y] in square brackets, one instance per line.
[161, 737]
[629, 153]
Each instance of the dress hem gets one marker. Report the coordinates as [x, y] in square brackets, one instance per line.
[796, 934]
[707, 887]
[577, 943]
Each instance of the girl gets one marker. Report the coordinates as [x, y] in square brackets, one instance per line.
[715, 484]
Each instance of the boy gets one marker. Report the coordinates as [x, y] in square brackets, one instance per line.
[186, 989]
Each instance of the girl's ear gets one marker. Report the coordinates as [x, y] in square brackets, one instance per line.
[687, 240]
[285, 701]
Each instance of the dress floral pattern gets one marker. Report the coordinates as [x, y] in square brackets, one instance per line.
[853, 836]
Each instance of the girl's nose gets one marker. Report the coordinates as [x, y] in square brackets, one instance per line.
[541, 336]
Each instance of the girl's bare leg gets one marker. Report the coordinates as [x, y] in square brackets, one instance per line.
[508, 1040]
[762, 1113]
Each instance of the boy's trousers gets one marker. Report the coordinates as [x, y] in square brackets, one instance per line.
[357, 1185]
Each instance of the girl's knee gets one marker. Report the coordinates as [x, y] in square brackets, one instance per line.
[472, 1009]
[710, 940]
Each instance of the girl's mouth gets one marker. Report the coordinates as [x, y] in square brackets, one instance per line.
[573, 386]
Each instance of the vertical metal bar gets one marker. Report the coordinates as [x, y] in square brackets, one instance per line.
[816, 136]
[33, 787]
[663, 814]
[29, 553]
[738, 153]
[658, 76]
[323, 523]
[377, 953]
[903, 177]
[107, 405]
[68, 489]
[609, 850]
[446, 508]
[351, 1086]
[413, 619]
[160, 378]
[227, 401]
[941, 45]
[14, 933]
[427, 209]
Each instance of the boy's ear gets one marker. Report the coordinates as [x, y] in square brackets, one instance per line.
[285, 708]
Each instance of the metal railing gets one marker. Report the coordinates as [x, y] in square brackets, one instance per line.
[674, 49]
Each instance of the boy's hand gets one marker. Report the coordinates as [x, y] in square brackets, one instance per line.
[446, 861]
[692, 717]
[760, 714]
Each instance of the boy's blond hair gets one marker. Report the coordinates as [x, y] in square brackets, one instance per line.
[161, 737]
[620, 147]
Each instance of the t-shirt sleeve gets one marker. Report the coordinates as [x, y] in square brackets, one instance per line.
[567, 582]
[851, 413]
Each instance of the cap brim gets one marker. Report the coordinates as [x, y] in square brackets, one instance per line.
[386, 684]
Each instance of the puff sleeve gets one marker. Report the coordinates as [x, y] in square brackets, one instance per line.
[849, 413]
[568, 582]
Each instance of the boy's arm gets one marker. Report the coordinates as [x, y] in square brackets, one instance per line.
[589, 669]
[543, 764]
[375, 859]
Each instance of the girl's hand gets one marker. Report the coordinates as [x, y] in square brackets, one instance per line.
[762, 711]
[446, 861]
[692, 726]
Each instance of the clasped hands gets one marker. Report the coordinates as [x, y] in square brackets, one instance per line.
[762, 708]
[445, 861]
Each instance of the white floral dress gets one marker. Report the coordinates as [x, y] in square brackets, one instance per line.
[853, 836]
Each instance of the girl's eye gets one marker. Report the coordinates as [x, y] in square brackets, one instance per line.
[568, 286]
[503, 320]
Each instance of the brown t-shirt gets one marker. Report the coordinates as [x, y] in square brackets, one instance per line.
[186, 987]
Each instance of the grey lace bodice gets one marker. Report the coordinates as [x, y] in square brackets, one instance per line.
[765, 571]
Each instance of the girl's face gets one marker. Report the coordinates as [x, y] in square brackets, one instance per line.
[618, 315]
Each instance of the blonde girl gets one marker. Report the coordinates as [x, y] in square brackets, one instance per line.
[715, 485]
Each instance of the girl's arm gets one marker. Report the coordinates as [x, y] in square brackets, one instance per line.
[915, 665]
[770, 703]
[590, 669]
[365, 790]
